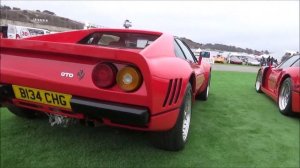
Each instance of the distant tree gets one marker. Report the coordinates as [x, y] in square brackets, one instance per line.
[222, 47]
[6, 7]
[48, 12]
[38, 11]
[14, 8]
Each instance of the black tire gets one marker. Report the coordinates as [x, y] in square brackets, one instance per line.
[285, 97]
[174, 139]
[204, 95]
[258, 82]
[24, 113]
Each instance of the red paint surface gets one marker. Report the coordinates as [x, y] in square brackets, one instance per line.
[273, 78]
[37, 62]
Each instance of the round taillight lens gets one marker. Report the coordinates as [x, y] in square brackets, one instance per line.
[104, 75]
[129, 79]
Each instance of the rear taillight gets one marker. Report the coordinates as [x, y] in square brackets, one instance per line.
[104, 75]
[129, 78]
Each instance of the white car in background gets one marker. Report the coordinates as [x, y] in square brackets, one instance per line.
[252, 61]
[19, 32]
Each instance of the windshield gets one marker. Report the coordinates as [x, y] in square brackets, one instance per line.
[289, 62]
[120, 40]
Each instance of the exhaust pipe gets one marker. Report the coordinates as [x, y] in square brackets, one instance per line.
[61, 120]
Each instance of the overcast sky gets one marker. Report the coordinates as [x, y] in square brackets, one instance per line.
[260, 25]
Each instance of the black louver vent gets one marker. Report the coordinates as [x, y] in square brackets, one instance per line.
[173, 92]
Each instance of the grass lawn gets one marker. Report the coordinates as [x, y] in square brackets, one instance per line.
[236, 127]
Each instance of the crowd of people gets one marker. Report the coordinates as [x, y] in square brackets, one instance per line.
[268, 61]
[272, 61]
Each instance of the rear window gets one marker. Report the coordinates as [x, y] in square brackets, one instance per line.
[119, 40]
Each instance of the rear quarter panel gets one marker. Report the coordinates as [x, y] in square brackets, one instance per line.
[294, 74]
[164, 66]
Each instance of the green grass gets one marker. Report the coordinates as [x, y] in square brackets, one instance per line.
[236, 127]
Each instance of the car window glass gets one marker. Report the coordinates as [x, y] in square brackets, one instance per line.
[288, 62]
[186, 51]
[296, 64]
[178, 51]
[107, 39]
[120, 39]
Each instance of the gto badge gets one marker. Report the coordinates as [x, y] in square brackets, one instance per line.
[67, 74]
[80, 74]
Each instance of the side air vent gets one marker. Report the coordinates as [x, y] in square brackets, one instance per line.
[173, 92]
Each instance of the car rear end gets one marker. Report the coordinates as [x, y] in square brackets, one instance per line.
[85, 82]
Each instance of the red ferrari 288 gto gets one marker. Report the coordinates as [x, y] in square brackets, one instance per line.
[282, 84]
[135, 79]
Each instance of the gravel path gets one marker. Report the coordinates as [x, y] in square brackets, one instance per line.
[239, 68]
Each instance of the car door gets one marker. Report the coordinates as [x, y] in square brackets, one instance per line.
[191, 59]
[276, 73]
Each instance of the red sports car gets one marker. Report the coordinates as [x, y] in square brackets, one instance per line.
[282, 83]
[142, 80]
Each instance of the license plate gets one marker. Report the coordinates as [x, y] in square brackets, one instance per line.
[42, 96]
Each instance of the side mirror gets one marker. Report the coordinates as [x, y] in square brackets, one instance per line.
[205, 54]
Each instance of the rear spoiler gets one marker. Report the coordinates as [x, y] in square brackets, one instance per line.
[79, 50]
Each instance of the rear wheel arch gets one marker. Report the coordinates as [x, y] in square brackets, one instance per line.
[176, 138]
[263, 71]
[281, 81]
[284, 98]
[192, 81]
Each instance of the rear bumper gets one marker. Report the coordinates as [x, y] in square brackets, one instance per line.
[117, 113]
[114, 114]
